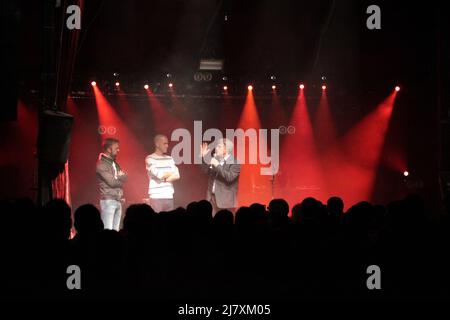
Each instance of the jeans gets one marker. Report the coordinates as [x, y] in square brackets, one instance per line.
[161, 204]
[111, 212]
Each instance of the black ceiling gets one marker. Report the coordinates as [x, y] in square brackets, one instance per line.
[292, 39]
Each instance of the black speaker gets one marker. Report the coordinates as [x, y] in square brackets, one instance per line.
[54, 137]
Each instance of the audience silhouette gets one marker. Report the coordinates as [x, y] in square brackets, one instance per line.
[310, 250]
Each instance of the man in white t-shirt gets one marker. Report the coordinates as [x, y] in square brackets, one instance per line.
[162, 171]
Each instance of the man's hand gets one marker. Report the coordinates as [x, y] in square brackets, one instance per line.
[166, 175]
[173, 177]
[204, 149]
[214, 162]
[122, 176]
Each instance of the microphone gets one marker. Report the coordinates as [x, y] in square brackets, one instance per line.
[213, 153]
[215, 156]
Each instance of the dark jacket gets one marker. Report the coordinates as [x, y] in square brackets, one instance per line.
[109, 186]
[226, 177]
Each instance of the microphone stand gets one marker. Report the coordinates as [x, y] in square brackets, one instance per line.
[273, 184]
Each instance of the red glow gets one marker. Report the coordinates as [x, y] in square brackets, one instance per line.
[406, 173]
[78, 161]
[250, 178]
[397, 88]
[324, 87]
[225, 88]
[117, 84]
[124, 105]
[274, 87]
[357, 161]
[301, 86]
[130, 148]
[162, 120]
[277, 112]
[250, 88]
[146, 87]
[93, 83]
[326, 138]
[396, 159]
[171, 85]
[299, 161]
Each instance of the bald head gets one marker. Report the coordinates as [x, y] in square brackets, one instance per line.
[158, 137]
[161, 144]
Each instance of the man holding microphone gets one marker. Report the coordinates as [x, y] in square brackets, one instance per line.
[223, 171]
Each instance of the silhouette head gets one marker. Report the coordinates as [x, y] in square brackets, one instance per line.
[87, 220]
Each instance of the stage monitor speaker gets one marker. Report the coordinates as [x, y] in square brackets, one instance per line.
[54, 136]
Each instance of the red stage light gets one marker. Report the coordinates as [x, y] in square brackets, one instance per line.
[324, 87]
[250, 88]
[406, 173]
[93, 83]
[146, 87]
[397, 88]
[301, 86]
[117, 84]
[170, 85]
